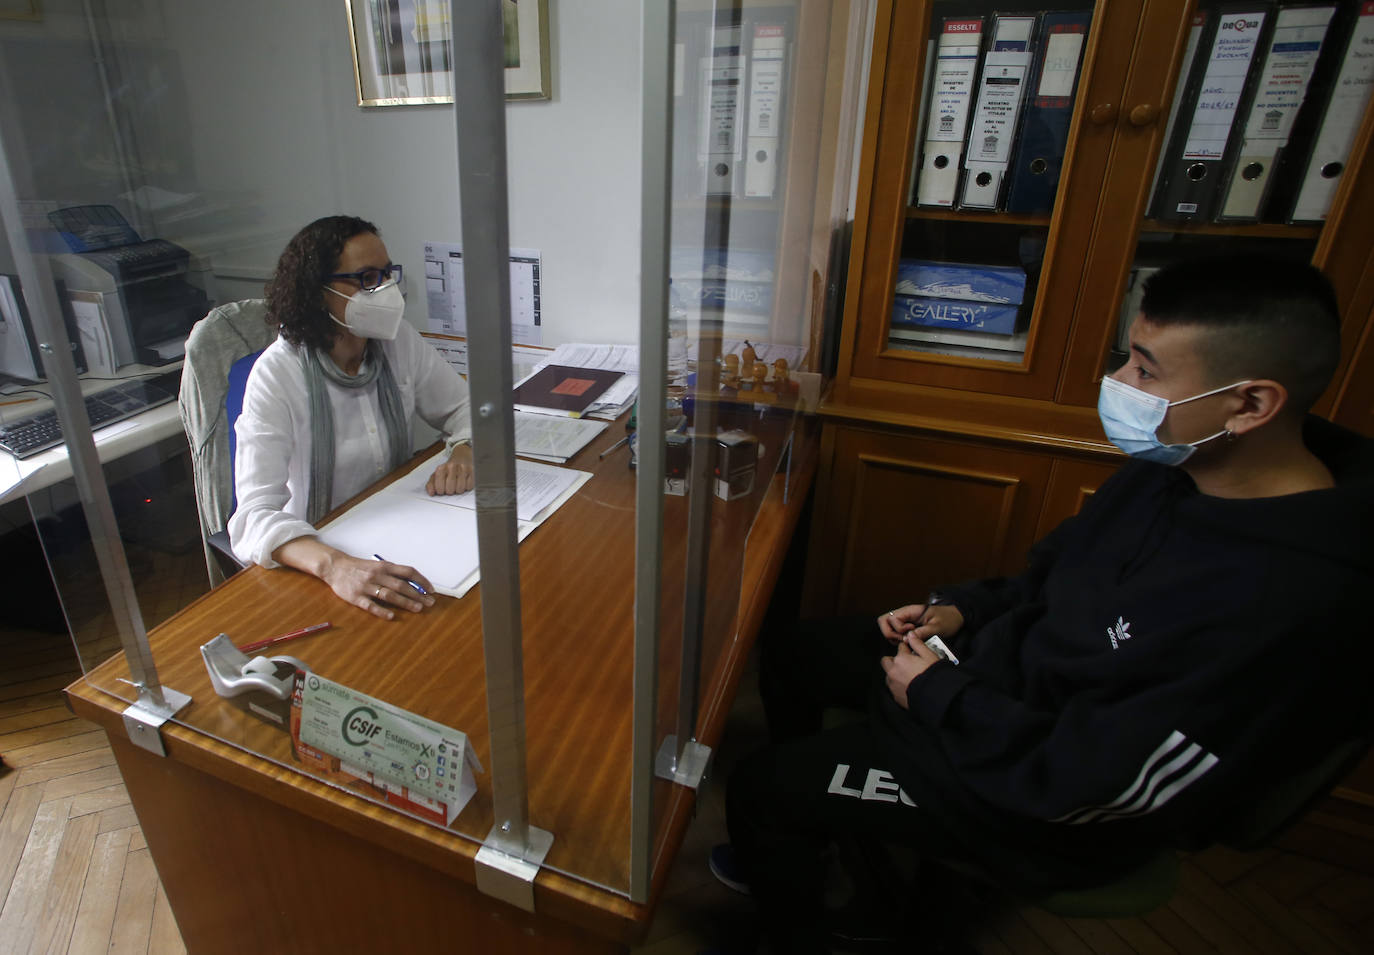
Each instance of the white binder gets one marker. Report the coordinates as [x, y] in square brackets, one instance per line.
[1282, 86]
[993, 130]
[1340, 122]
[720, 143]
[765, 110]
[956, 66]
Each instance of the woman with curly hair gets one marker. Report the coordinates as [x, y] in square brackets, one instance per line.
[327, 411]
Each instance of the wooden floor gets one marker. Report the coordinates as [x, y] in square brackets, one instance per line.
[76, 876]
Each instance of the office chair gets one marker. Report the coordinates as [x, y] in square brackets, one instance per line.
[1132, 893]
[219, 352]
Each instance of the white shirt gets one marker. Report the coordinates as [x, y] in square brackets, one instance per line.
[272, 460]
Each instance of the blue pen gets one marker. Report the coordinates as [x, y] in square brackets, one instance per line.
[418, 589]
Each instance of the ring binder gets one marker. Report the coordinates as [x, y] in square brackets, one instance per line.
[993, 130]
[956, 66]
[1340, 121]
[1278, 94]
[1044, 134]
[1191, 187]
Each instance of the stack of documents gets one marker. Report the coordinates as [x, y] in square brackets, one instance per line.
[617, 399]
[553, 438]
[438, 535]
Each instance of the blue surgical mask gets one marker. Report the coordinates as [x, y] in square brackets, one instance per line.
[1132, 417]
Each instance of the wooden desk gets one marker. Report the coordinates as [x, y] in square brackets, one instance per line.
[254, 854]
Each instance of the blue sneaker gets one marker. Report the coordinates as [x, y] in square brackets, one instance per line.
[725, 867]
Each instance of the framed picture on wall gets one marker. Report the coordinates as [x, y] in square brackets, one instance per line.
[401, 51]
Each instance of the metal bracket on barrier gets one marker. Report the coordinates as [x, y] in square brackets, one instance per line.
[688, 767]
[143, 720]
[508, 876]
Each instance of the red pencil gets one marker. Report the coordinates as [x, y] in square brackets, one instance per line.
[302, 632]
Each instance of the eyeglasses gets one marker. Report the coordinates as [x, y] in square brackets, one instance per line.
[372, 279]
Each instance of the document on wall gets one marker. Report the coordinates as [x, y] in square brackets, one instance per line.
[445, 292]
[437, 535]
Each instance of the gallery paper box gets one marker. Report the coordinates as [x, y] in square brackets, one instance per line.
[971, 298]
[735, 280]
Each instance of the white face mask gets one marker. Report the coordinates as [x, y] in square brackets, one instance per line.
[375, 314]
[1132, 417]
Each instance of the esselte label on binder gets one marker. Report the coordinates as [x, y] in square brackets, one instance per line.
[947, 117]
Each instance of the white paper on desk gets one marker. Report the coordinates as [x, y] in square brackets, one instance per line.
[536, 487]
[553, 438]
[580, 355]
[440, 542]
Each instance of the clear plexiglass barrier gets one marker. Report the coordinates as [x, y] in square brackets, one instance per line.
[441, 454]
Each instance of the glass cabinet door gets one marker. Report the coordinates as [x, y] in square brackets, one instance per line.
[995, 132]
[1258, 154]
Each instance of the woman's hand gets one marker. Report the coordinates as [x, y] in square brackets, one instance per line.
[375, 586]
[455, 475]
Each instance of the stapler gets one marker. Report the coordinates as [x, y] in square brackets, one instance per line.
[260, 685]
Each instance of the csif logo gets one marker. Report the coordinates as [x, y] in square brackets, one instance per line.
[360, 725]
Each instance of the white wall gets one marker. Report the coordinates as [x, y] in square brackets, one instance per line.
[274, 138]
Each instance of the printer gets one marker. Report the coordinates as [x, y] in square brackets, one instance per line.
[133, 297]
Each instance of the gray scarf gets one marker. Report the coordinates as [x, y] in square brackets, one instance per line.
[374, 366]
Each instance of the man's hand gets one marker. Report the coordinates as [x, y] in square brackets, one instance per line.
[919, 622]
[455, 475]
[909, 663]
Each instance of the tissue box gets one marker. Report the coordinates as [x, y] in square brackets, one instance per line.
[966, 298]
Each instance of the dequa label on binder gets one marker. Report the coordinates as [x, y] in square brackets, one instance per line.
[1222, 86]
[1193, 187]
[1340, 122]
[999, 107]
[951, 93]
[1281, 89]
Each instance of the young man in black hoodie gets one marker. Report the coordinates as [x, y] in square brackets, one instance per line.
[1196, 634]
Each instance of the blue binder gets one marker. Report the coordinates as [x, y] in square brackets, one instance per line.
[1044, 134]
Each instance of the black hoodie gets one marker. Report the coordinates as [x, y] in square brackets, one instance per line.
[1164, 657]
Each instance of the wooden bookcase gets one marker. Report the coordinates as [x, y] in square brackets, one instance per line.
[1029, 425]
[939, 467]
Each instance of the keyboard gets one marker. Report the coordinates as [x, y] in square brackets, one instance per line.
[24, 437]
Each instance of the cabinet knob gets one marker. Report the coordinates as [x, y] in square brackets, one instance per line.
[1102, 114]
[1144, 114]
